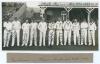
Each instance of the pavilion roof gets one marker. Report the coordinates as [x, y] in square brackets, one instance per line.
[69, 4]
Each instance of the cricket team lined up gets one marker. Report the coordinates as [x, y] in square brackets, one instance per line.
[83, 33]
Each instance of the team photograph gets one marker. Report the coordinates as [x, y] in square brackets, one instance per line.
[49, 26]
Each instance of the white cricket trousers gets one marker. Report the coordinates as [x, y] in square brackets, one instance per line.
[59, 37]
[91, 37]
[15, 33]
[7, 35]
[42, 37]
[51, 37]
[33, 34]
[67, 36]
[76, 37]
[25, 37]
[83, 36]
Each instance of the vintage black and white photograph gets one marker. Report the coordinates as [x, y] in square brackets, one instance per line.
[50, 26]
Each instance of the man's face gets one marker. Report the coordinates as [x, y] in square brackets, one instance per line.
[91, 22]
[52, 22]
[10, 21]
[19, 19]
[67, 20]
[59, 19]
[32, 21]
[26, 21]
[35, 21]
[6, 20]
[15, 19]
[43, 19]
[84, 20]
[75, 20]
